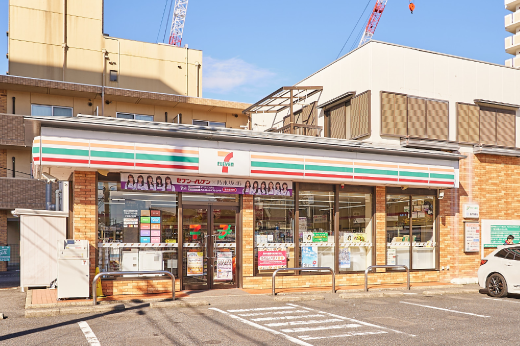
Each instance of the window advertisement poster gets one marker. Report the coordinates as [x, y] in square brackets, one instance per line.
[391, 255]
[307, 237]
[195, 264]
[224, 266]
[269, 259]
[471, 237]
[5, 253]
[320, 237]
[175, 183]
[495, 232]
[344, 258]
[320, 218]
[309, 256]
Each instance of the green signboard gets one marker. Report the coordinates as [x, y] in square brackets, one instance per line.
[320, 237]
[499, 234]
[5, 253]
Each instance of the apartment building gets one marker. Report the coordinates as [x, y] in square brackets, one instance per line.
[64, 65]
[512, 23]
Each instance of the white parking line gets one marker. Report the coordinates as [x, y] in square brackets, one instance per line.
[272, 313]
[89, 334]
[502, 300]
[448, 310]
[263, 309]
[288, 337]
[274, 318]
[352, 320]
[312, 329]
[306, 337]
[297, 323]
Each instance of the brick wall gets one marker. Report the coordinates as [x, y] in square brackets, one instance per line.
[24, 193]
[12, 131]
[3, 163]
[3, 101]
[248, 231]
[85, 213]
[380, 241]
[146, 286]
[3, 236]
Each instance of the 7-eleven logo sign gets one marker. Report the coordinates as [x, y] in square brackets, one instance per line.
[225, 163]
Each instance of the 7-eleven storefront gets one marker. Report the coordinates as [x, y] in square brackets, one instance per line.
[226, 211]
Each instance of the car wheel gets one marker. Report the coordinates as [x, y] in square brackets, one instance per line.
[496, 285]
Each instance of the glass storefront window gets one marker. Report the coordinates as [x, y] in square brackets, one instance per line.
[355, 231]
[274, 233]
[136, 219]
[316, 231]
[410, 231]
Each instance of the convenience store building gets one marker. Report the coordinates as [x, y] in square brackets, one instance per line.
[386, 167]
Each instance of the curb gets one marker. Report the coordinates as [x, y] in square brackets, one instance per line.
[179, 304]
[457, 291]
[72, 310]
[298, 298]
[379, 294]
[403, 288]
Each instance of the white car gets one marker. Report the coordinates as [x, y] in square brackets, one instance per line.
[499, 272]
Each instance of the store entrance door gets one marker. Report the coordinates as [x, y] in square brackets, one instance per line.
[209, 247]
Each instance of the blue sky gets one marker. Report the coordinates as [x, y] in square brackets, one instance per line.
[251, 48]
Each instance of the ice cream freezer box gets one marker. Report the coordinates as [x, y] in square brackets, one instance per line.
[73, 269]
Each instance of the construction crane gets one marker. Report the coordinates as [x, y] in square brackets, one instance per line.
[377, 12]
[179, 17]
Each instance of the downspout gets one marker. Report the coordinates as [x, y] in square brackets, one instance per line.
[186, 46]
[198, 76]
[105, 57]
[64, 45]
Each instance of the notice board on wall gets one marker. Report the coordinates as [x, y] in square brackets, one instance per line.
[495, 232]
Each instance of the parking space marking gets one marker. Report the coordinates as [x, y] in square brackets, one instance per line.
[448, 310]
[297, 323]
[256, 325]
[313, 329]
[353, 320]
[502, 300]
[293, 317]
[306, 337]
[89, 334]
[264, 309]
[272, 313]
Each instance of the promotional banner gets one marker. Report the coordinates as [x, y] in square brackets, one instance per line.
[471, 237]
[195, 263]
[224, 266]
[174, 183]
[344, 258]
[309, 256]
[271, 259]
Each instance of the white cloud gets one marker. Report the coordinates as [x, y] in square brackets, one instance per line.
[222, 76]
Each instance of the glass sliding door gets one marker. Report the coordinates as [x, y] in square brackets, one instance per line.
[423, 232]
[398, 230]
[209, 247]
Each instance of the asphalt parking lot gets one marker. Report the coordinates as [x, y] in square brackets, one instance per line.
[412, 319]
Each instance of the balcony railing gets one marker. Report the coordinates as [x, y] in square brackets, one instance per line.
[514, 62]
[512, 44]
[298, 129]
[511, 5]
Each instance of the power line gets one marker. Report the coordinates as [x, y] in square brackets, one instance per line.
[160, 26]
[360, 34]
[166, 26]
[8, 169]
[368, 3]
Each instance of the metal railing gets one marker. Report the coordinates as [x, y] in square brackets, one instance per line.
[388, 267]
[306, 269]
[163, 272]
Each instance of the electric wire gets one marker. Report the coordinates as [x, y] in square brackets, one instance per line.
[160, 26]
[359, 35]
[8, 169]
[169, 12]
[355, 26]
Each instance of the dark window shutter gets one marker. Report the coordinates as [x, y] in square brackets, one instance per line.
[473, 124]
[401, 115]
[462, 123]
[488, 133]
[437, 120]
[360, 115]
[337, 122]
[416, 117]
[506, 128]
[388, 104]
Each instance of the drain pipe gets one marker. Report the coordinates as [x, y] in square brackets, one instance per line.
[105, 58]
[64, 45]
[48, 195]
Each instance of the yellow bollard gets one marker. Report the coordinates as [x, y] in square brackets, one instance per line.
[99, 289]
